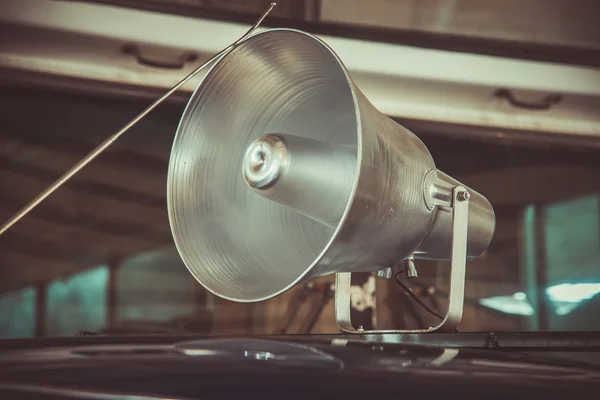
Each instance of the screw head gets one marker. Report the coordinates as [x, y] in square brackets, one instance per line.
[385, 273]
[463, 196]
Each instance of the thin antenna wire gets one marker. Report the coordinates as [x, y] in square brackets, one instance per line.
[109, 141]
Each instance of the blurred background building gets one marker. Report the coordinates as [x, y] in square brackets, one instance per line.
[505, 94]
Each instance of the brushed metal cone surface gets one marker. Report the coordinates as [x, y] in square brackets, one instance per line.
[236, 243]
[309, 176]
[245, 246]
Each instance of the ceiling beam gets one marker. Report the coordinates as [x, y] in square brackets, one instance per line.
[47, 177]
[80, 203]
[58, 216]
[22, 270]
[539, 184]
[120, 158]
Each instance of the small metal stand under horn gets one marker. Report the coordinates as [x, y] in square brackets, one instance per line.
[458, 205]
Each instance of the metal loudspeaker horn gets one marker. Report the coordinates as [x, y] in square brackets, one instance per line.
[282, 171]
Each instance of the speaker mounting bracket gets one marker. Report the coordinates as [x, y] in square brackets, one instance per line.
[460, 213]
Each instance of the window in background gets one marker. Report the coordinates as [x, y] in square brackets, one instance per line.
[561, 274]
[17, 313]
[569, 270]
[77, 303]
[156, 291]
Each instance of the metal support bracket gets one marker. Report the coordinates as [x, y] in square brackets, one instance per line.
[456, 293]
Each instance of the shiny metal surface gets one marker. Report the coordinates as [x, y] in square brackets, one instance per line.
[260, 352]
[385, 273]
[460, 221]
[309, 176]
[435, 191]
[410, 271]
[115, 136]
[243, 246]
[458, 269]
[238, 244]
[482, 220]
[263, 161]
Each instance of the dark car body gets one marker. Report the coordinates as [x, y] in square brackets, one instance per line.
[456, 365]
